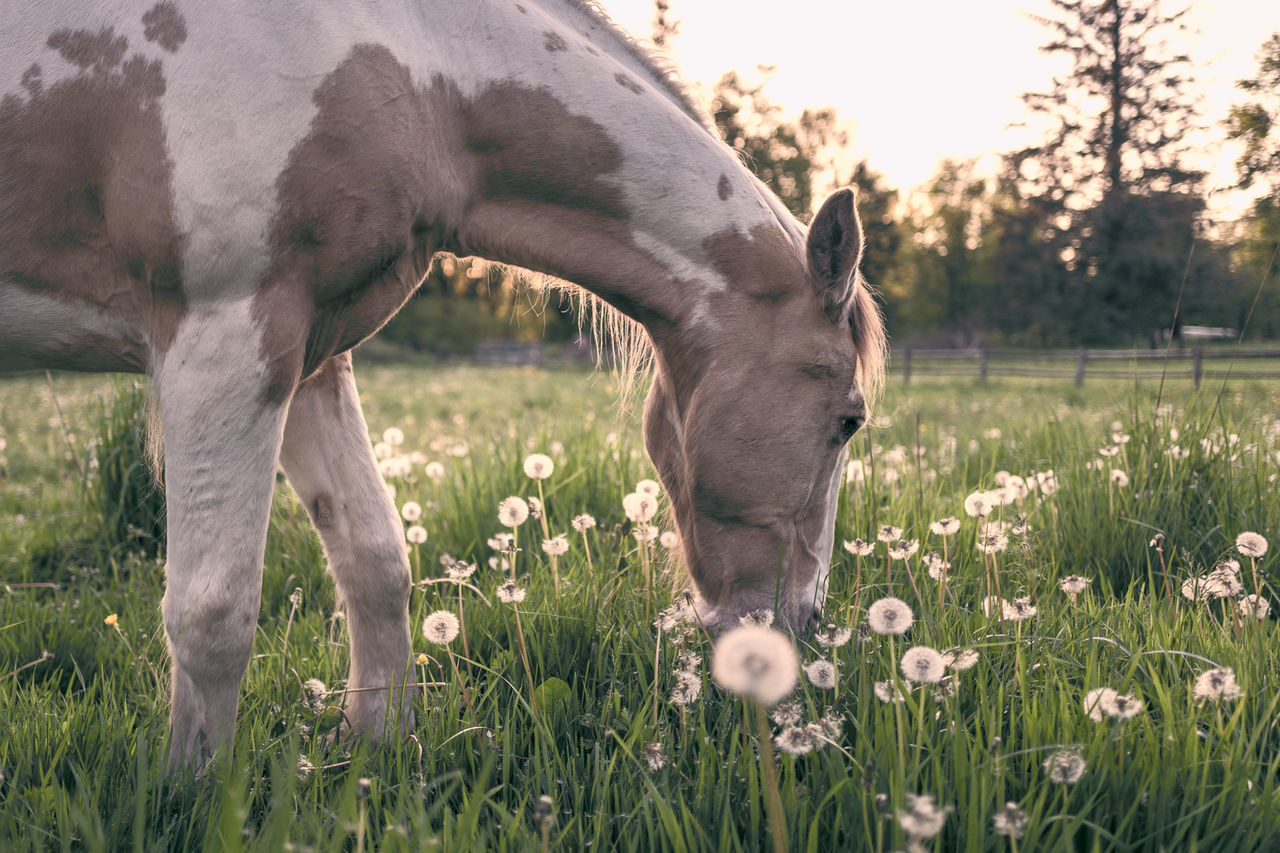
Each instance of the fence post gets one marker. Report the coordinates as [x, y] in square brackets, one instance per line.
[1084, 356]
[1196, 367]
[906, 366]
[982, 365]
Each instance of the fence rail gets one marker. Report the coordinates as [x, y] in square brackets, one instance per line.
[1196, 363]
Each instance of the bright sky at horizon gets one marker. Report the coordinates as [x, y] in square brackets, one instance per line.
[920, 81]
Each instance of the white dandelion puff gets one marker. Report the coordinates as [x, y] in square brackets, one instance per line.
[795, 740]
[639, 507]
[889, 533]
[1010, 821]
[922, 818]
[513, 511]
[411, 511]
[583, 523]
[979, 504]
[889, 616]
[755, 662]
[1255, 607]
[1097, 702]
[859, 548]
[1065, 767]
[945, 526]
[889, 691]
[416, 534]
[538, 466]
[441, 627]
[960, 659]
[922, 665]
[1251, 545]
[821, 673]
[649, 487]
[556, 546]
[510, 593]
[833, 636]
[1216, 685]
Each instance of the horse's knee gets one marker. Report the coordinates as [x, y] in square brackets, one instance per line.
[210, 629]
[376, 576]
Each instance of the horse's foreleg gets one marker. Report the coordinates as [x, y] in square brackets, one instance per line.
[329, 461]
[222, 433]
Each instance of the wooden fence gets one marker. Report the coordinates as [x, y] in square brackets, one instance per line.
[1196, 364]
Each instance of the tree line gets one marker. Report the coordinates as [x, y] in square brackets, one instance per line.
[1100, 233]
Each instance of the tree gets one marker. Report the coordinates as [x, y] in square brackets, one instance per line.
[785, 156]
[1112, 171]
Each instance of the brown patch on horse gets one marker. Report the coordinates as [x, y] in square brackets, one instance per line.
[761, 263]
[628, 82]
[164, 25]
[554, 42]
[88, 209]
[723, 188]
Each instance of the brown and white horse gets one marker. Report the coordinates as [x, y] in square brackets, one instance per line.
[229, 196]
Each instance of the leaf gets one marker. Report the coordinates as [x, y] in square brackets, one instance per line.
[551, 691]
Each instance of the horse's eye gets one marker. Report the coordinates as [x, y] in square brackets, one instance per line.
[848, 426]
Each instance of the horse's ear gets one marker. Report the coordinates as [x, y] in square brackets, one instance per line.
[835, 247]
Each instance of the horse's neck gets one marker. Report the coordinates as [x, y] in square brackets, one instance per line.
[589, 168]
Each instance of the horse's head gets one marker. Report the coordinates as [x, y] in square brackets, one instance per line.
[751, 408]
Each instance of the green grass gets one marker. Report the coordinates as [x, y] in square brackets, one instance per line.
[83, 744]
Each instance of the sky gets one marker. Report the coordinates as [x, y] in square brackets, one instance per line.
[920, 80]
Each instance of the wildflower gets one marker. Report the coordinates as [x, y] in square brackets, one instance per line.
[1097, 702]
[416, 534]
[859, 548]
[889, 616]
[960, 660]
[904, 549]
[1010, 821]
[411, 511]
[669, 539]
[393, 436]
[655, 757]
[786, 713]
[460, 571]
[1215, 685]
[649, 487]
[1254, 606]
[993, 543]
[1123, 706]
[688, 688]
[501, 541]
[1073, 585]
[755, 662]
[556, 545]
[937, 567]
[1157, 541]
[822, 674]
[583, 523]
[441, 627]
[1018, 609]
[112, 620]
[1065, 766]
[889, 691]
[945, 526]
[922, 665]
[538, 466]
[761, 618]
[509, 593]
[979, 505]
[639, 507]
[833, 636]
[795, 740]
[1251, 545]
[889, 533]
[434, 470]
[1119, 478]
[513, 511]
[922, 817]
[422, 659]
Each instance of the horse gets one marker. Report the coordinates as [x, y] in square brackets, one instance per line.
[228, 197]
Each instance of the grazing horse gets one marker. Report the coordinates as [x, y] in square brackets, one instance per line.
[229, 196]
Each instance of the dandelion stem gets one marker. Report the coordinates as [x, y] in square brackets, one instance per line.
[466, 690]
[773, 800]
[462, 629]
[524, 656]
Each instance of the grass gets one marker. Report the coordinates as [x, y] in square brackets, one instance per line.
[82, 751]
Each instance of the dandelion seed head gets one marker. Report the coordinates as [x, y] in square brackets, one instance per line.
[1251, 545]
[639, 507]
[415, 534]
[688, 688]
[1119, 478]
[993, 543]
[655, 757]
[937, 567]
[832, 636]
[513, 511]
[501, 541]
[538, 466]
[583, 523]
[1074, 584]
[1254, 607]
[979, 504]
[1216, 685]
[795, 740]
[889, 616]
[556, 546]
[1097, 701]
[787, 713]
[945, 526]
[756, 662]
[1065, 767]
[434, 470]
[1019, 609]
[1123, 706]
[649, 487]
[859, 548]
[922, 665]
[762, 618]
[441, 627]
[1010, 821]
[889, 533]
[411, 511]
[889, 691]
[510, 593]
[460, 570]
[960, 659]
[922, 818]
[903, 549]
[822, 674]
[669, 539]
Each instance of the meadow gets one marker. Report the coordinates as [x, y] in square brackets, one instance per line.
[585, 716]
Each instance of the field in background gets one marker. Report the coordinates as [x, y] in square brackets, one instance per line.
[623, 766]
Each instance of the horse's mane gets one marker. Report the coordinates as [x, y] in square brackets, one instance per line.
[656, 65]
